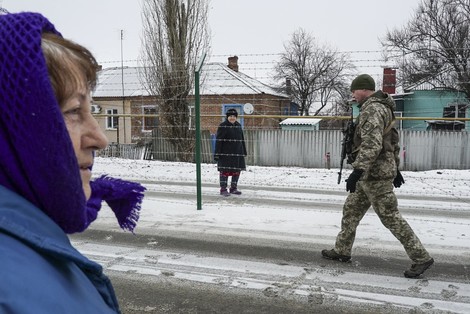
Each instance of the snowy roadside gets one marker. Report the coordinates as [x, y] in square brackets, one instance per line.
[451, 183]
[292, 213]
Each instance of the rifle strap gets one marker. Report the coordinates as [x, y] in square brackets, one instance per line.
[391, 124]
[389, 127]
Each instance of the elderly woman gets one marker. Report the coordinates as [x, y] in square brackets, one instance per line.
[230, 152]
[47, 142]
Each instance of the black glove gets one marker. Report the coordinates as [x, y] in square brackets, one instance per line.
[398, 181]
[352, 180]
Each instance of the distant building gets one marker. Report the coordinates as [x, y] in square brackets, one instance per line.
[123, 91]
[427, 100]
[435, 104]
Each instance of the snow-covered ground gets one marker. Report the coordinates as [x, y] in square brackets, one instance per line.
[422, 195]
[452, 183]
[304, 206]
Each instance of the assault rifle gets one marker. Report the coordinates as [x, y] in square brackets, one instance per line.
[346, 145]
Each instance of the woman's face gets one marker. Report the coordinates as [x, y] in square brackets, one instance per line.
[232, 118]
[84, 132]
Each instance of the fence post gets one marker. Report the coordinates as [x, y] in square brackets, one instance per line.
[198, 132]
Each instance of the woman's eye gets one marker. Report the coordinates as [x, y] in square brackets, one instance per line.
[73, 113]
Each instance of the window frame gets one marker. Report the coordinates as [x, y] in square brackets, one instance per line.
[144, 125]
[112, 120]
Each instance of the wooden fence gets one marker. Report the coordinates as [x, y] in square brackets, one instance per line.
[126, 151]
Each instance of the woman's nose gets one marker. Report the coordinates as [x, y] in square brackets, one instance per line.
[96, 137]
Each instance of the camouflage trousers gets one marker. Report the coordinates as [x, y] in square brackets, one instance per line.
[380, 195]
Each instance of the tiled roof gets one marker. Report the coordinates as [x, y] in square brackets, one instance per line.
[219, 79]
[216, 79]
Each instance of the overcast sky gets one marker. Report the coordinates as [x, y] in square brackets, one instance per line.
[241, 27]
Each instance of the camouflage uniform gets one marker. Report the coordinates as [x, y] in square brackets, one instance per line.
[378, 155]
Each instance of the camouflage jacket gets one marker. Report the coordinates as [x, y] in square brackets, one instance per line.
[375, 144]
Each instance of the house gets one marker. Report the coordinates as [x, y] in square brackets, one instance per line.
[224, 87]
[434, 104]
[121, 91]
[426, 100]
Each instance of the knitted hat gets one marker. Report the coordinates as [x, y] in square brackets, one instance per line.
[231, 112]
[363, 81]
[37, 158]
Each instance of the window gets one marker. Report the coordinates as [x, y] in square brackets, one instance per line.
[292, 109]
[112, 121]
[454, 111]
[192, 117]
[149, 120]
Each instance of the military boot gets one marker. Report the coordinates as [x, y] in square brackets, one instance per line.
[418, 269]
[331, 254]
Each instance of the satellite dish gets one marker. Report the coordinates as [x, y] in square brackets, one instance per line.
[248, 108]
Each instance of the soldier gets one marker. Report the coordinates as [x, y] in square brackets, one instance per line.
[375, 151]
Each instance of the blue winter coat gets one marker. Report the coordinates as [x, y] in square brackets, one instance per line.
[40, 271]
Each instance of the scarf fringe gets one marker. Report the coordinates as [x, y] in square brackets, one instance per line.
[124, 197]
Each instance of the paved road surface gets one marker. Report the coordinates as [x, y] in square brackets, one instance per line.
[191, 268]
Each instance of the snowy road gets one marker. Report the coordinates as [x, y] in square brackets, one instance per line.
[267, 243]
[313, 284]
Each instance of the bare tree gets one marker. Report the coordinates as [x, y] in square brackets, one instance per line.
[434, 46]
[175, 35]
[465, 5]
[315, 72]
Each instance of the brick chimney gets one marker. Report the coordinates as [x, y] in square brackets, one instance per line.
[288, 86]
[233, 63]
[389, 81]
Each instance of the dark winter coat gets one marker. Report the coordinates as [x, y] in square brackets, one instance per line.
[40, 271]
[230, 149]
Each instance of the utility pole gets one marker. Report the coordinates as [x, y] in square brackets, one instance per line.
[122, 87]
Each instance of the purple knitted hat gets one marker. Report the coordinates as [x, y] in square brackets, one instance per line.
[37, 160]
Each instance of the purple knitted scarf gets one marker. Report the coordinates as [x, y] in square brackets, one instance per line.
[37, 160]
